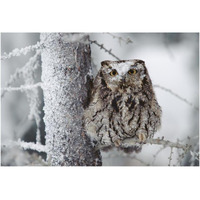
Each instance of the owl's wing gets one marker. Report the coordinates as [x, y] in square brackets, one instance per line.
[93, 86]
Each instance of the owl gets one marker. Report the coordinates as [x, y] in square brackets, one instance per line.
[122, 105]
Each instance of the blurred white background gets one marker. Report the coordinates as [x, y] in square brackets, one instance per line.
[172, 60]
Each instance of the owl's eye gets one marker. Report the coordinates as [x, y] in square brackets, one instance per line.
[113, 72]
[132, 71]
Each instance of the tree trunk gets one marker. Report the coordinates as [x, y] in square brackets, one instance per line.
[65, 69]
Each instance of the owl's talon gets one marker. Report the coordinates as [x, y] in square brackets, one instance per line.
[117, 143]
[142, 137]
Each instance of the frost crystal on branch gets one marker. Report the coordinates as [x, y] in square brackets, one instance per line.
[27, 73]
[33, 95]
[19, 52]
[158, 141]
[121, 39]
[31, 66]
[22, 88]
[25, 145]
[101, 46]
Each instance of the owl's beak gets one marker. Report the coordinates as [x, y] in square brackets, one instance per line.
[123, 80]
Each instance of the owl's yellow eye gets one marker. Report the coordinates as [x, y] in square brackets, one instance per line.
[132, 71]
[113, 72]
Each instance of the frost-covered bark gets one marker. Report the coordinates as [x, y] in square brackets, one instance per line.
[65, 68]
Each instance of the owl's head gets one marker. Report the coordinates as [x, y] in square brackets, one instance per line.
[123, 74]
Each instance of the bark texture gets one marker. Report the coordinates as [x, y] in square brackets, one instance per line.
[65, 69]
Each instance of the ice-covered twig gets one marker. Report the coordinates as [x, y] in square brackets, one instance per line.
[170, 156]
[33, 94]
[129, 142]
[19, 73]
[176, 95]
[24, 51]
[101, 46]
[22, 88]
[125, 40]
[26, 145]
[156, 154]
[32, 146]
[157, 141]
[30, 88]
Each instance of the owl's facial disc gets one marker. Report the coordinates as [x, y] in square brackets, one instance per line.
[122, 74]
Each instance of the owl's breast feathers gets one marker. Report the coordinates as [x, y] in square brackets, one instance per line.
[113, 117]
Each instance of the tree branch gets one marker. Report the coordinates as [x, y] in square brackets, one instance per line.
[176, 95]
[24, 51]
[22, 88]
[125, 40]
[129, 142]
[102, 47]
[26, 145]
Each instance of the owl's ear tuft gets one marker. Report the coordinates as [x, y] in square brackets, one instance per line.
[140, 61]
[105, 62]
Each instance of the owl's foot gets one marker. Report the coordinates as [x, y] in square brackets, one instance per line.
[117, 143]
[142, 137]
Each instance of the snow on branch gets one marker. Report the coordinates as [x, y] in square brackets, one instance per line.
[21, 73]
[30, 88]
[170, 156]
[31, 146]
[165, 143]
[26, 145]
[176, 95]
[22, 88]
[18, 74]
[24, 51]
[157, 141]
[101, 46]
[33, 95]
[121, 39]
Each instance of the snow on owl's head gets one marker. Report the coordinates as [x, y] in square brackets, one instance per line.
[119, 75]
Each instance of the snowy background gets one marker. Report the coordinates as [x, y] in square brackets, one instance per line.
[172, 60]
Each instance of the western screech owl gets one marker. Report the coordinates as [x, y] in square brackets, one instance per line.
[122, 104]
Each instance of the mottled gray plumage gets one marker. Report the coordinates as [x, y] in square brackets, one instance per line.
[122, 104]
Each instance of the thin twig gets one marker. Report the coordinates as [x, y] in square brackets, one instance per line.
[158, 141]
[170, 156]
[129, 142]
[125, 40]
[26, 145]
[101, 46]
[20, 72]
[22, 88]
[24, 51]
[176, 95]
[156, 154]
